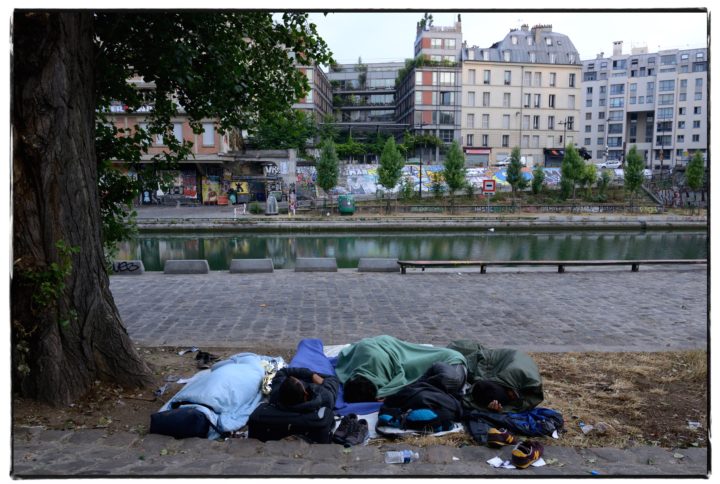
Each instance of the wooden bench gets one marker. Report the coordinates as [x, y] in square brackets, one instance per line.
[483, 264]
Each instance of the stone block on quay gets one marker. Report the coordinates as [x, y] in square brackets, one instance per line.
[373, 264]
[251, 266]
[315, 264]
[189, 266]
[128, 268]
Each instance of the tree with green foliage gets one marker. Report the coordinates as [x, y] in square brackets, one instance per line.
[572, 168]
[538, 180]
[695, 172]
[454, 171]
[327, 129]
[603, 183]
[588, 178]
[68, 68]
[390, 169]
[285, 130]
[513, 173]
[633, 173]
[327, 167]
[350, 149]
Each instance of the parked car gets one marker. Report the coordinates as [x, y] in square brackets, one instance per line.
[612, 164]
[647, 173]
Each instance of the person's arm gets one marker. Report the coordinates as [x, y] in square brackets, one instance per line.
[330, 385]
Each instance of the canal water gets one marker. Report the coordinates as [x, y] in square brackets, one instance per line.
[283, 249]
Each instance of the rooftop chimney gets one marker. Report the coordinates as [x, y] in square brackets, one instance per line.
[617, 47]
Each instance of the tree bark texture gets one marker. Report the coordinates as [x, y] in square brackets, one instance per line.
[55, 197]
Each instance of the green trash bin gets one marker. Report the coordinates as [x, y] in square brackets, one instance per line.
[346, 204]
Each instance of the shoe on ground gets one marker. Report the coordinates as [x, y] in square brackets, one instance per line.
[348, 422]
[357, 434]
[500, 438]
[526, 453]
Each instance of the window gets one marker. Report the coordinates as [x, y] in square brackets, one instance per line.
[667, 60]
[530, 40]
[650, 87]
[696, 138]
[506, 100]
[447, 117]
[527, 80]
[588, 91]
[571, 79]
[208, 136]
[486, 99]
[447, 98]
[551, 100]
[570, 122]
[650, 99]
[616, 89]
[418, 97]
[588, 129]
[485, 140]
[684, 57]
[641, 99]
[471, 54]
[485, 55]
[587, 141]
[469, 140]
[548, 41]
[601, 115]
[698, 84]
[449, 43]
[551, 141]
[514, 40]
[552, 58]
[436, 58]
[651, 60]
[536, 141]
[526, 100]
[486, 77]
[617, 102]
[536, 122]
[666, 99]
[619, 64]
[699, 66]
[471, 76]
[506, 56]
[590, 76]
[681, 138]
[697, 110]
[696, 124]
[588, 116]
[588, 103]
[436, 43]
[615, 116]
[506, 121]
[486, 121]
[537, 79]
[505, 140]
[615, 128]
[601, 128]
[537, 101]
[471, 98]
[667, 85]
[571, 101]
[682, 111]
[681, 124]
[446, 135]
[664, 113]
[178, 131]
[470, 120]
[526, 122]
[633, 99]
[418, 78]
[507, 78]
[553, 77]
[525, 141]
[682, 96]
[603, 65]
[446, 78]
[551, 122]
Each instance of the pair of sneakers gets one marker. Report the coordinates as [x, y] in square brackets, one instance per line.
[523, 454]
[351, 431]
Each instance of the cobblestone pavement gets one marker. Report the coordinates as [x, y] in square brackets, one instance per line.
[658, 308]
[47, 453]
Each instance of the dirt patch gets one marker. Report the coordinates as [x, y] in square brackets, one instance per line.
[630, 398]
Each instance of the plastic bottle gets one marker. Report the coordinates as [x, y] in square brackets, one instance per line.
[401, 457]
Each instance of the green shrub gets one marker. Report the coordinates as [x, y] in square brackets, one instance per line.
[255, 208]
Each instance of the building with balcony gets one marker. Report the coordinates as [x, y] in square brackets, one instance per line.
[318, 100]
[655, 101]
[523, 91]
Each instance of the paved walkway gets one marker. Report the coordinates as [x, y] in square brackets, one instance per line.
[612, 309]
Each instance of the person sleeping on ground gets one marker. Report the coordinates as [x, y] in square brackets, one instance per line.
[376, 367]
[300, 389]
[503, 380]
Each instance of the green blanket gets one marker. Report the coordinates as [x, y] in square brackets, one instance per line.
[510, 368]
[391, 363]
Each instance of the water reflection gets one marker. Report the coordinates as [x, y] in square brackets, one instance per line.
[155, 249]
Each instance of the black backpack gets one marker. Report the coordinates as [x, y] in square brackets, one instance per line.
[269, 422]
[419, 406]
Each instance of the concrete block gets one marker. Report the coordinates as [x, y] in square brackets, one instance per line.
[315, 264]
[190, 266]
[372, 264]
[128, 268]
[238, 266]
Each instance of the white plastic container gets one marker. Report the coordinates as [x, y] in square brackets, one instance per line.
[401, 457]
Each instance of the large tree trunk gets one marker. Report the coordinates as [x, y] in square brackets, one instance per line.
[55, 198]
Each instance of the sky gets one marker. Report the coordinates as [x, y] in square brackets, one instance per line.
[389, 36]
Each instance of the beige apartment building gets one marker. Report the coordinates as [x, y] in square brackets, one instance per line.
[523, 91]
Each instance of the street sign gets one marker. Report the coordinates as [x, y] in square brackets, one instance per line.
[488, 186]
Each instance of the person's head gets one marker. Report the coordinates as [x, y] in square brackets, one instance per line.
[359, 389]
[292, 392]
[484, 392]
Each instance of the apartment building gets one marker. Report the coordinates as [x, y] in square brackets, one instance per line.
[523, 91]
[655, 101]
[318, 100]
[429, 93]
